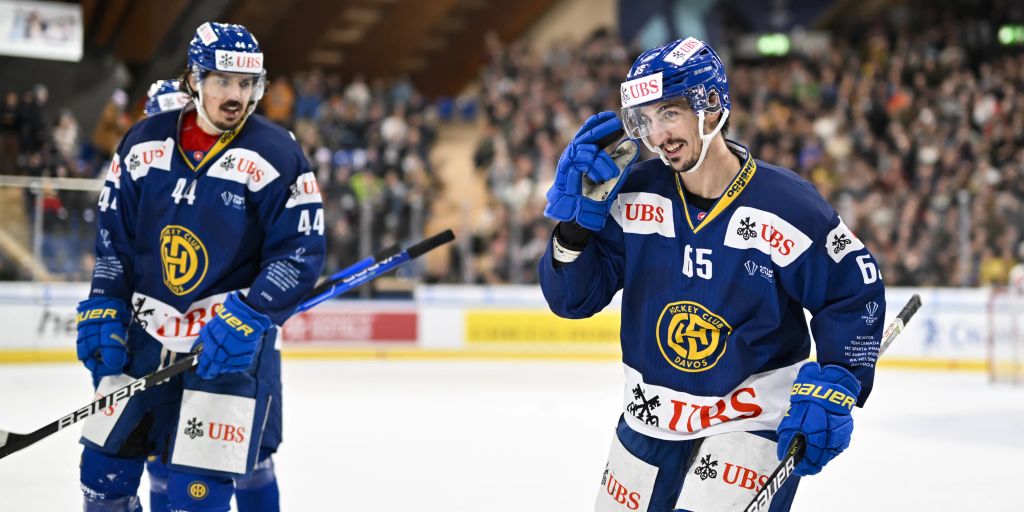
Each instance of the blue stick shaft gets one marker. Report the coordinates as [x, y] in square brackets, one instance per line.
[356, 279]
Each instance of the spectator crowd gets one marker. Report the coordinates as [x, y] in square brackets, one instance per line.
[912, 126]
[368, 144]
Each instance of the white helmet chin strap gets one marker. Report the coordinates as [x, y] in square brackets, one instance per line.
[705, 139]
[201, 110]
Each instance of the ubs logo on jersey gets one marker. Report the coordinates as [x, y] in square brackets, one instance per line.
[183, 258]
[691, 337]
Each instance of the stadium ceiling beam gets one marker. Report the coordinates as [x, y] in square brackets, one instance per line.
[110, 16]
[395, 37]
[297, 34]
[447, 72]
[145, 26]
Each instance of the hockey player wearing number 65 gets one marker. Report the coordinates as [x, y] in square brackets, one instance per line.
[717, 256]
[210, 234]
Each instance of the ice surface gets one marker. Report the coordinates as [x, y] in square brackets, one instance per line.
[514, 436]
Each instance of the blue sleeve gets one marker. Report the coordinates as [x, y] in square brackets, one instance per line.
[584, 287]
[291, 216]
[118, 205]
[840, 284]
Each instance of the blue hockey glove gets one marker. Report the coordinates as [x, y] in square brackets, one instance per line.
[230, 340]
[102, 338]
[820, 405]
[587, 178]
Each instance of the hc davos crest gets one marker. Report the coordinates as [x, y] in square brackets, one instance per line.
[183, 258]
[691, 337]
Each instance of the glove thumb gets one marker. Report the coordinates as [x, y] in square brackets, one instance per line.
[114, 353]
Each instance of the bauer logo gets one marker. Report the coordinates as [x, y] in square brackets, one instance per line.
[183, 258]
[691, 337]
[750, 228]
[644, 213]
[684, 51]
[840, 242]
[641, 90]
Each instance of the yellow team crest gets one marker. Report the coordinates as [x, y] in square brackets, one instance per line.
[183, 258]
[691, 337]
[197, 490]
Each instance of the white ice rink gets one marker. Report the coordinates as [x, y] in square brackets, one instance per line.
[496, 436]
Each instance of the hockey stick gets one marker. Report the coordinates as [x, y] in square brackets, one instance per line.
[355, 267]
[11, 442]
[795, 452]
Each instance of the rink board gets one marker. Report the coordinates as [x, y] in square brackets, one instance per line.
[480, 322]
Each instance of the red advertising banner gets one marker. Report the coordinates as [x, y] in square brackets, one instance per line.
[332, 325]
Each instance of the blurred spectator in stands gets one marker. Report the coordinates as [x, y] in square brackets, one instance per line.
[10, 130]
[113, 123]
[279, 102]
[32, 114]
[65, 138]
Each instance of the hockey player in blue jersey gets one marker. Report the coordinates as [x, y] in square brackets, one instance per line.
[251, 489]
[210, 234]
[164, 96]
[717, 256]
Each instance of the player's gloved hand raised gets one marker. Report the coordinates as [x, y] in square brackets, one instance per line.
[230, 340]
[821, 401]
[102, 338]
[587, 178]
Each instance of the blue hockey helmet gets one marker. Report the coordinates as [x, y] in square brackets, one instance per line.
[685, 68]
[227, 48]
[165, 95]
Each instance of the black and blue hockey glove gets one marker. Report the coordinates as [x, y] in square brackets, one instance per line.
[821, 401]
[587, 178]
[231, 339]
[102, 343]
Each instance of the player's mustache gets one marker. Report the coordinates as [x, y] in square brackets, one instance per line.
[672, 142]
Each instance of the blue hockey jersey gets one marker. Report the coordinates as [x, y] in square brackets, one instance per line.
[713, 327]
[176, 236]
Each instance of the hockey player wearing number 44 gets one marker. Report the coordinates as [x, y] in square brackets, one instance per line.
[211, 233]
[717, 256]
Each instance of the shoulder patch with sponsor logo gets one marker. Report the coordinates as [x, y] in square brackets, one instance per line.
[304, 191]
[155, 154]
[644, 213]
[751, 228]
[641, 90]
[114, 171]
[841, 241]
[244, 166]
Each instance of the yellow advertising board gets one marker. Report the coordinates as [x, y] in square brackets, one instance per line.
[538, 326]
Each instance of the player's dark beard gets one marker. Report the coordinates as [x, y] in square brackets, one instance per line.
[688, 164]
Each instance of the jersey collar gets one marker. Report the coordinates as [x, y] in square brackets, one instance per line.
[738, 185]
[222, 142]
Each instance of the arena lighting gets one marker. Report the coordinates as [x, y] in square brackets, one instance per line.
[773, 45]
[1010, 35]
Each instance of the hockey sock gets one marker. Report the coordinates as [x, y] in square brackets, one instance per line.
[257, 491]
[158, 501]
[110, 483]
[198, 493]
